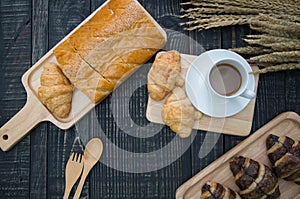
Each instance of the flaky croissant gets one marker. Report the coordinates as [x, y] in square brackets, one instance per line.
[55, 91]
[284, 154]
[179, 114]
[164, 74]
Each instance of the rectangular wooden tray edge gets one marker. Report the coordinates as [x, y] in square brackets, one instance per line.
[182, 190]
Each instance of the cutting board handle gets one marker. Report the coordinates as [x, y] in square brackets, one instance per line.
[19, 126]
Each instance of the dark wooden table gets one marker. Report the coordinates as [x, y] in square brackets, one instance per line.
[35, 167]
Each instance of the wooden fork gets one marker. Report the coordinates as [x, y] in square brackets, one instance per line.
[73, 171]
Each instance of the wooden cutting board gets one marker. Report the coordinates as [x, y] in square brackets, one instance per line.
[239, 124]
[20, 124]
[253, 147]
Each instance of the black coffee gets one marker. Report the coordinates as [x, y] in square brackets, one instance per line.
[225, 79]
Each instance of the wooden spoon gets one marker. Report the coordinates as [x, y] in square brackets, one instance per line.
[91, 156]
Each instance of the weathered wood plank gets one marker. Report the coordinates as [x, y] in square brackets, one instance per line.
[38, 137]
[15, 50]
[35, 168]
[207, 145]
[232, 37]
[95, 4]
[64, 16]
[292, 95]
[270, 98]
[123, 114]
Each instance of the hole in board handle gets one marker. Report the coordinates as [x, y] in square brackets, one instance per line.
[5, 137]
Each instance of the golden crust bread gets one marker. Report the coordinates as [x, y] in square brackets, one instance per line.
[179, 114]
[85, 78]
[113, 43]
[55, 91]
[163, 74]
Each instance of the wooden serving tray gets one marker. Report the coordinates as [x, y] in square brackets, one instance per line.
[34, 111]
[239, 124]
[253, 147]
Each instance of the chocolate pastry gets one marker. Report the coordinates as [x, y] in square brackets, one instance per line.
[284, 154]
[214, 190]
[254, 179]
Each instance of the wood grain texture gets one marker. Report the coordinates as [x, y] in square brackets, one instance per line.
[35, 167]
[132, 97]
[292, 90]
[206, 145]
[12, 133]
[39, 137]
[64, 16]
[233, 37]
[15, 53]
[254, 147]
[238, 124]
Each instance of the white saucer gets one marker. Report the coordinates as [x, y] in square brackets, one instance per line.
[199, 94]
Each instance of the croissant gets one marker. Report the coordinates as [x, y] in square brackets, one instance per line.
[284, 154]
[55, 91]
[214, 190]
[164, 74]
[179, 114]
[254, 179]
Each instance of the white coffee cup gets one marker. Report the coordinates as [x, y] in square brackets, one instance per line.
[228, 78]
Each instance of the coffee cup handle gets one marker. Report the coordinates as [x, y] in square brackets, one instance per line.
[248, 94]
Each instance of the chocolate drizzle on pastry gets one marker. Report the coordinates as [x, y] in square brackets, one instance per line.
[284, 154]
[213, 190]
[255, 180]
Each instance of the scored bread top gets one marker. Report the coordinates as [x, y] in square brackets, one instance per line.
[81, 74]
[111, 45]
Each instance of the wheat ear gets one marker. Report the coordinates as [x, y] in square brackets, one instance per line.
[279, 67]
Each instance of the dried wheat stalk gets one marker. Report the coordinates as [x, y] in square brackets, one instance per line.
[276, 47]
[241, 7]
[213, 22]
[279, 67]
[249, 50]
[266, 38]
[276, 57]
[265, 6]
[277, 27]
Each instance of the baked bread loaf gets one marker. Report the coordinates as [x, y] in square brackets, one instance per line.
[254, 179]
[179, 114]
[214, 190]
[111, 45]
[55, 91]
[164, 74]
[284, 154]
[81, 75]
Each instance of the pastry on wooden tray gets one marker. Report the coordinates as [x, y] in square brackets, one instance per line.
[284, 154]
[164, 74]
[111, 45]
[254, 179]
[214, 190]
[55, 91]
[179, 114]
